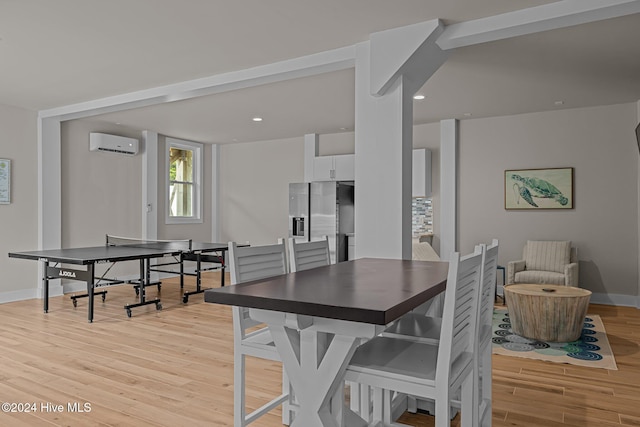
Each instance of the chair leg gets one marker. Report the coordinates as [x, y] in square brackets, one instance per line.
[487, 384]
[286, 405]
[378, 405]
[442, 409]
[238, 390]
[469, 414]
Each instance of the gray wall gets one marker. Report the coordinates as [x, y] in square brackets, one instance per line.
[599, 143]
[254, 188]
[101, 191]
[18, 143]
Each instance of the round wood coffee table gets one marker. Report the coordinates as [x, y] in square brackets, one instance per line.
[547, 312]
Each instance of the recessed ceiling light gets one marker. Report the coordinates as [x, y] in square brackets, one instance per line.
[418, 97]
[559, 103]
[257, 119]
[467, 114]
[343, 128]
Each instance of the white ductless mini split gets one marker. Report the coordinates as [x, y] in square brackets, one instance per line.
[113, 143]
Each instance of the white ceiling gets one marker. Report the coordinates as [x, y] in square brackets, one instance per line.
[69, 51]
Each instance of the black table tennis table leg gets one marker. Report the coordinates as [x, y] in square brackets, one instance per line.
[90, 289]
[224, 262]
[199, 258]
[45, 278]
[145, 278]
[181, 271]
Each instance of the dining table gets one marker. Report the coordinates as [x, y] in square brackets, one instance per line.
[318, 317]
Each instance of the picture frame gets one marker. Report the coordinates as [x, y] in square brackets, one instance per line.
[535, 189]
[5, 181]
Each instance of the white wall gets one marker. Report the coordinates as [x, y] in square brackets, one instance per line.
[18, 143]
[254, 188]
[599, 143]
[101, 192]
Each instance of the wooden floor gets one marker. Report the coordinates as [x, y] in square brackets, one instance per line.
[175, 368]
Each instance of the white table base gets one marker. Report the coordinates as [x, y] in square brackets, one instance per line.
[315, 352]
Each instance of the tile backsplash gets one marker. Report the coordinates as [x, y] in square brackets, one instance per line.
[422, 216]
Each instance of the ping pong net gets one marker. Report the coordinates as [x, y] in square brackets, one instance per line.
[179, 245]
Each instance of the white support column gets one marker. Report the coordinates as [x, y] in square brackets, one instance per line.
[49, 193]
[638, 293]
[215, 193]
[448, 187]
[311, 145]
[389, 70]
[150, 185]
[383, 164]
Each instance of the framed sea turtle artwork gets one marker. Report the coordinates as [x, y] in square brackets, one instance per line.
[527, 189]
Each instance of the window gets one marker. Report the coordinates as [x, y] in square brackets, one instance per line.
[184, 181]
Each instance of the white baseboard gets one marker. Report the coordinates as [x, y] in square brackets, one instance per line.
[20, 295]
[25, 294]
[72, 286]
[616, 299]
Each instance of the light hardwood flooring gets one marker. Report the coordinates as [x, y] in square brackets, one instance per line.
[174, 367]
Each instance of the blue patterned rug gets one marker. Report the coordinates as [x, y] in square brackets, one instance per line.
[591, 349]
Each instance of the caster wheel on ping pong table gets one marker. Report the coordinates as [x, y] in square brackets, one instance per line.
[158, 306]
[137, 290]
[128, 312]
[185, 299]
[104, 297]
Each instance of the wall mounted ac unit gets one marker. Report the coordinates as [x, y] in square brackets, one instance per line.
[113, 143]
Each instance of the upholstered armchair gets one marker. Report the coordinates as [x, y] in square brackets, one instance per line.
[545, 262]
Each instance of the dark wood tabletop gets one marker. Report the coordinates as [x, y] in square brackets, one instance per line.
[368, 290]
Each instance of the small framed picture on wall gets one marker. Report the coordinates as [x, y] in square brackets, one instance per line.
[5, 181]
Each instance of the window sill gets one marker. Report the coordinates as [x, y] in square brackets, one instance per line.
[174, 221]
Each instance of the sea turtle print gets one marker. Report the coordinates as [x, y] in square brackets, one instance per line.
[524, 193]
[536, 187]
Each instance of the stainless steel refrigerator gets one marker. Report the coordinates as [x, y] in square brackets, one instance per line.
[318, 209]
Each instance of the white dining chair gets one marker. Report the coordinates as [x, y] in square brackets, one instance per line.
[246, 264]
[418, 327]
[307, 255]
[436, 372]
[483, 345]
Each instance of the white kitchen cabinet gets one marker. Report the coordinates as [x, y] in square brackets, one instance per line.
[334, 168]
[421, 182]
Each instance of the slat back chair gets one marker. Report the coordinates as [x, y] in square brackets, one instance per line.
[246, 264]
[307, 255]
[485, 319]
[428, 371]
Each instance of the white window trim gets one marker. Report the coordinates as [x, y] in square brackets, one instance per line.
[197, 175]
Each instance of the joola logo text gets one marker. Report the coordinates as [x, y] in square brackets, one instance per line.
[67, 274]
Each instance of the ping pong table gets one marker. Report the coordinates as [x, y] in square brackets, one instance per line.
[119, 249]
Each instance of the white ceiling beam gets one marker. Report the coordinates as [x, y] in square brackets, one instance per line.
[304, 66]
[550, 16]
